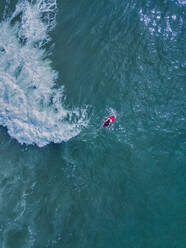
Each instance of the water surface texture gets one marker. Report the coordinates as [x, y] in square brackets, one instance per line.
[64, 67]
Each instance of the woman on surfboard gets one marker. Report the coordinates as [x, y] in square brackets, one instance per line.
[108, 121]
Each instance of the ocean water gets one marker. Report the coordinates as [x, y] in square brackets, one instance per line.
[64, 67]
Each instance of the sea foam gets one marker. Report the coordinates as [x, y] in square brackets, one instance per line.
[165, 25]
[30, 107]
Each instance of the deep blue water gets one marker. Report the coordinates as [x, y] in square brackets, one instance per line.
[64, 67]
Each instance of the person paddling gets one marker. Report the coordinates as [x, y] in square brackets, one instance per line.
[108, 121]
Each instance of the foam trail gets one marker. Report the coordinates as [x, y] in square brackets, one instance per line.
[30, 107]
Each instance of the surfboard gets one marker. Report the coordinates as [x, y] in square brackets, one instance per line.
[108, 121]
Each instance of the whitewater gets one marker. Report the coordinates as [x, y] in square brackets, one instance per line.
[32, 106]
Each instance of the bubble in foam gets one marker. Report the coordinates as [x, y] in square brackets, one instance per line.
[30, 107]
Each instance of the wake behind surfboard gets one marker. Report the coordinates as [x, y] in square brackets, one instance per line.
[108, 121]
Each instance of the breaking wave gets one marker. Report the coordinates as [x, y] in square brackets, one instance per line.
[31, 107]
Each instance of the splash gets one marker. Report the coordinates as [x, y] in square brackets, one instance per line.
[30, 107]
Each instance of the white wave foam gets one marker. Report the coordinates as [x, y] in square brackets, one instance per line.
[181, 2]
[167, 26]
[30, 107]
[32, 28]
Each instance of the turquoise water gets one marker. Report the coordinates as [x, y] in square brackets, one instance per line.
[64, 67]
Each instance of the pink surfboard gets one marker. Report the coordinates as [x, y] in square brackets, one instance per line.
[108, 121]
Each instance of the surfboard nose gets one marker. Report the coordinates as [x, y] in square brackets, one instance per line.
[112, 117]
